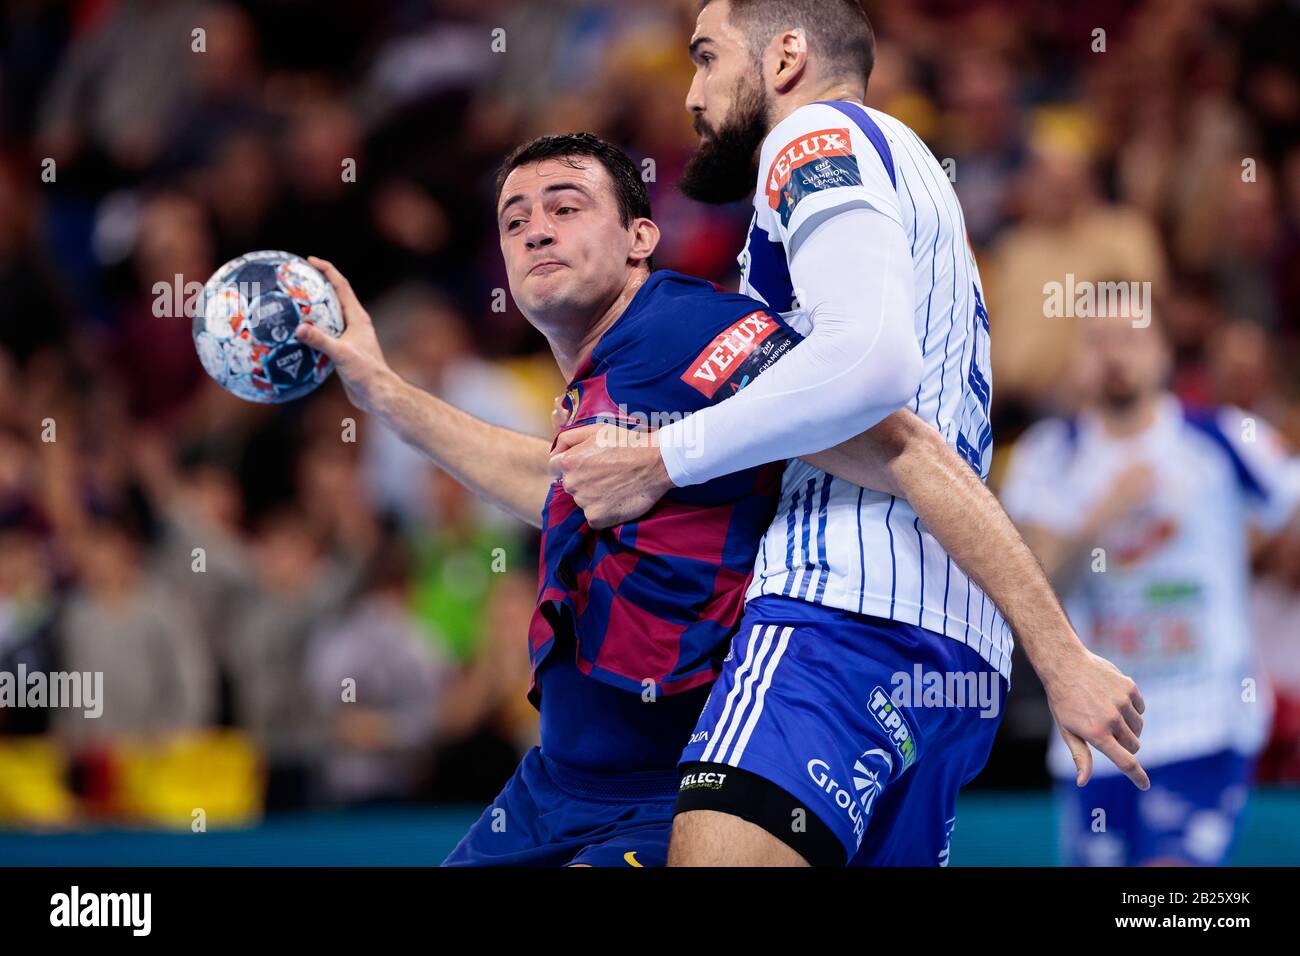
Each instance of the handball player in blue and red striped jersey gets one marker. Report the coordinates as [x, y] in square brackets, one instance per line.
[631, 622]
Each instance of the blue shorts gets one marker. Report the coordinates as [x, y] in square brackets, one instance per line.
[552, 815]
[873, 725]
[1189, 815]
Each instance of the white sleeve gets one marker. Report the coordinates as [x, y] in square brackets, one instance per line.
[1267, 473]
[861, 362]
[1031, 490]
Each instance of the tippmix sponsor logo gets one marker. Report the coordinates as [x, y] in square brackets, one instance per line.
[893, 722]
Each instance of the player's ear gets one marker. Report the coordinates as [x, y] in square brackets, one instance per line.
[786, 60]
[645, 239]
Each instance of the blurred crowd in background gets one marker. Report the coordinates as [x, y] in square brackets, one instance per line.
[231, 567]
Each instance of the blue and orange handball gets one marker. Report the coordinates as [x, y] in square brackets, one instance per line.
[243, 328]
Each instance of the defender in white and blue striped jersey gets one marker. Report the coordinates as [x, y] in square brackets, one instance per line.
[1139, 508]
[866, 682]
[850, 589]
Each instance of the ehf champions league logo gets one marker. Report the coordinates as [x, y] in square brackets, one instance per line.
[813, 162]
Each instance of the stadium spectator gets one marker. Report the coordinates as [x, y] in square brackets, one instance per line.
[122, 622]
[1066, 230]
[377, 689]
[295, 587]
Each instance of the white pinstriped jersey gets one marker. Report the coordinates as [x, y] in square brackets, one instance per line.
[833, 542]
[1170, 605]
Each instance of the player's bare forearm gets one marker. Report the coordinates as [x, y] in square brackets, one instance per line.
[906, 457]
[1093, 702]
[508, 468]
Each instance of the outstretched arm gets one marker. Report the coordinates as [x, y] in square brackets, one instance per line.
[1092, 701]
[508, 468]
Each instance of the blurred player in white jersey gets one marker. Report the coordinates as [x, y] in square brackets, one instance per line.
[1139, 508]
[888, 556]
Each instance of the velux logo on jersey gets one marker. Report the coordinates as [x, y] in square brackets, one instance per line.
[823, 144]
[709, 370]
[891, 719]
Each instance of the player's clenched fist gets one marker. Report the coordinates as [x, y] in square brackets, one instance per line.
[356, 354]
[613, 474]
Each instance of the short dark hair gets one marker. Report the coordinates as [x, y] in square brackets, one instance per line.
[629, 189]
[838, 30]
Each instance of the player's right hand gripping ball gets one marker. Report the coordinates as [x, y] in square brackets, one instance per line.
[244, 326]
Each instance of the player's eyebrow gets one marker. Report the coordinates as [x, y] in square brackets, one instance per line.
[697, 43]
[552, 188]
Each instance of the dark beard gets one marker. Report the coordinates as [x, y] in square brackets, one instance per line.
[725, 165]
[1121, 401]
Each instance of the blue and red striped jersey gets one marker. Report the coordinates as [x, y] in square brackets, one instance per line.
[656, 599]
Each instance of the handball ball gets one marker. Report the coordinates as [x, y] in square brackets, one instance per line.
[243, 329]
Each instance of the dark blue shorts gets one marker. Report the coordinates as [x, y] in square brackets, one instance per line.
[1189, 815]
[553, 815]
[871, 724]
